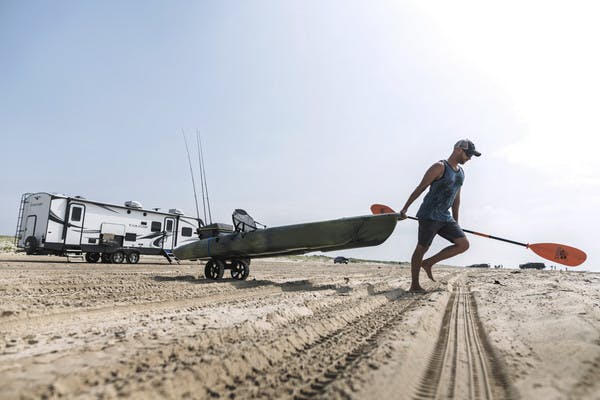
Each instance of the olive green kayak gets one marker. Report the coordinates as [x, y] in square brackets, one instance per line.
[337, 234]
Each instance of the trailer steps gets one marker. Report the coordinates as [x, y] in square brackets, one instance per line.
[168, 254]
[74, 254]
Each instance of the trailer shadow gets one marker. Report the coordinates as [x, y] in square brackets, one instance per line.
[75, 262]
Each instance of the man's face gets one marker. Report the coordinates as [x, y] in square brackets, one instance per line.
[465, 156]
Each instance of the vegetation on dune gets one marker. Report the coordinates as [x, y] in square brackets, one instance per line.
[328, 259]
[7, 244]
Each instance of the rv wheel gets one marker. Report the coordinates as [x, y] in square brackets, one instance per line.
[214, 270]
[117, 257]
[30, 245]
[92, 257]
[106, 258]
[133, 258]
[240, 270]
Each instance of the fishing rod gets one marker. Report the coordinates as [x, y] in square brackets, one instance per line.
[555, 252]
[203, 172]
[201, 177]
[192, 174]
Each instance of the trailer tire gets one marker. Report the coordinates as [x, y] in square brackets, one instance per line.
[106, 258]
[133, 257]
[240, 270]
[117, 257]
[92, 257]
[214, 270]
[31, 245]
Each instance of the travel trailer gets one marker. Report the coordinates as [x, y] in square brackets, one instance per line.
[62, 225]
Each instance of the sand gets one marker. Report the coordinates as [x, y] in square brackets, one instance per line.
[294, 329]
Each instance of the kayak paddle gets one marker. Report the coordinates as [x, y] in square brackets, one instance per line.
[558, 253]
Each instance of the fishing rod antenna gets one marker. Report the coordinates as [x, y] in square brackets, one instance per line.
[203, 175]
[200, 222]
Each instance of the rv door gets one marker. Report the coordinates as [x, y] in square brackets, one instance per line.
[169, 233]
[75, 224]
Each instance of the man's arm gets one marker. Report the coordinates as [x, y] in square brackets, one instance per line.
[456, 206]
[434, 172]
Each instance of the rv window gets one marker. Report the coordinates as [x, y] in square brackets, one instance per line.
[169, 225]
[130, 237]
[155, 227]
[76, 214]
[144, 223]
[187, 232]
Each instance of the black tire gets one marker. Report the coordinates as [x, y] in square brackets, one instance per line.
[106, 258]
[30, 245]
[214, 270]
[92, 257]
[240, 270]
[117, 257]
[133, 257]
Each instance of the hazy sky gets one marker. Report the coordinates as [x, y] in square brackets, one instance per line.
[311, 110]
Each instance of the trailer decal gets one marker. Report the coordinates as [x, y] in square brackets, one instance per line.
[55, 218]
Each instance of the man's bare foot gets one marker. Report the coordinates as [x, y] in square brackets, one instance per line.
[427, 269]
[417, 289]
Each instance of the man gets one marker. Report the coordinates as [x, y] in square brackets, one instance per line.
[444, 180]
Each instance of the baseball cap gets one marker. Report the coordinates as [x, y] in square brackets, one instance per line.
[468, 147]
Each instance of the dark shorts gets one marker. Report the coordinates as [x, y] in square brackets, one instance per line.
[448, 230]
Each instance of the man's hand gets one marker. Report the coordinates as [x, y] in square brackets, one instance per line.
[403, 213]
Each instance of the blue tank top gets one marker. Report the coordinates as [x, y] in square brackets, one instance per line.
[442, 192]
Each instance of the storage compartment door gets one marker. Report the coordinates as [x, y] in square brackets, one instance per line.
[29, 228]
[112, 234]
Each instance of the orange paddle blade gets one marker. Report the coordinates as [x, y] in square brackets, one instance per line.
[381, 209]
[559, 253]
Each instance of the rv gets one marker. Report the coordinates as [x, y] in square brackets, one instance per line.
[62, 225]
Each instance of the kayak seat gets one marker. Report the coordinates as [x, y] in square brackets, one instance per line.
[242, 222]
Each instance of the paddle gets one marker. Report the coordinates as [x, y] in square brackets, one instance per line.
[558, 253]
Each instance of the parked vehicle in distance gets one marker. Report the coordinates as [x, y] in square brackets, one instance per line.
[532, 265]
[479, 266]
[341, 260]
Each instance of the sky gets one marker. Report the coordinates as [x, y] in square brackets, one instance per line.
[311, 110]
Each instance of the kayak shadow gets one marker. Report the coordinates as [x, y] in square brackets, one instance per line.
[304, 285]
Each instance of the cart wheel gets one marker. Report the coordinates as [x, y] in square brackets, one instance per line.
[133, 257]
[30, 245]
[240, 270]
[92, 257]
[106, 258]
[117, 257]
[214, 270]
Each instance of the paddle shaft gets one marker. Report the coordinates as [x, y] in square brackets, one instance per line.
[484, 235]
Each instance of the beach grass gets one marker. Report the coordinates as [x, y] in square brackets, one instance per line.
[7, 244]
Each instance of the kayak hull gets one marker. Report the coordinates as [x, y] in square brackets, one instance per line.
[338, 234]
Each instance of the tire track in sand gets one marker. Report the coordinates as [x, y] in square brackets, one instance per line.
[463, 364]
[308, 372]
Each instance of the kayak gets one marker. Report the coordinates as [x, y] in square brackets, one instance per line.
[337, 234]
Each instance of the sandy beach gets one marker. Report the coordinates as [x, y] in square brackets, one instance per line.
[297, 328]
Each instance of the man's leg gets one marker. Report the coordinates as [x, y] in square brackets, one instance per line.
[415, 268]
[460, 245]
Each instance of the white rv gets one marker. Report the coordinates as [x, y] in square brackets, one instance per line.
[62, 225]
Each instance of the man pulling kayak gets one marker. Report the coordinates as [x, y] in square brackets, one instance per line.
[444, 179]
